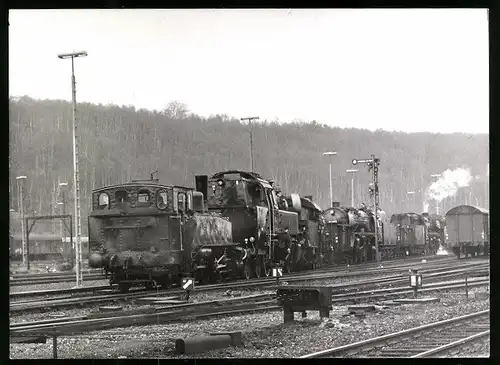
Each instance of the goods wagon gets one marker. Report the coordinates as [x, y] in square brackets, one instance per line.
[467, 230]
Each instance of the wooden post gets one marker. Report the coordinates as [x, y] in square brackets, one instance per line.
[466, 287]
[287, 314]
[54, 344]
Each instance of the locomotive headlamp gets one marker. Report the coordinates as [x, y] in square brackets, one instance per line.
[482, 235]
[252, 239]
[246, 240]
[220, 182]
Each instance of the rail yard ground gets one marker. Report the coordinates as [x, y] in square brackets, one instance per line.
[263, 333]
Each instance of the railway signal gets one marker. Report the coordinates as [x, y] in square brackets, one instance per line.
[187, 285]
[373, 164]
[277, 272]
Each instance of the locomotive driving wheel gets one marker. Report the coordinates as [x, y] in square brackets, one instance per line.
[257, 264]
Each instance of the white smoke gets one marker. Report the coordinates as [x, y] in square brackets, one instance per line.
[448, 184]
[426, 207]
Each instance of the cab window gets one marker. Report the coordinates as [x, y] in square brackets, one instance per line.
[103, 200]
[121, 196]
[181, 202]
[143, 196]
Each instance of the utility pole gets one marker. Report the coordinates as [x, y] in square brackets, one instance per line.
[249, 119]
[486, 189]
[24, 249]
[76, 182]
[352, 171]
[373, 164]
[330, 154]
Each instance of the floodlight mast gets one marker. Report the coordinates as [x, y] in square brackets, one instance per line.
[76, 187]
[330, 154]
[249, 119]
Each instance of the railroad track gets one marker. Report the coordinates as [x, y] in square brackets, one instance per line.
[437, 339]
[54, 278]
[359, 270]
[26, 279]
[172, 313]
[60, 302]
[268, 283]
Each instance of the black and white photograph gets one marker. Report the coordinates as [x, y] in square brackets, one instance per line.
[249, 183]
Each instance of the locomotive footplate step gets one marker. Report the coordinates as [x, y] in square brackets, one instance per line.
[110, 308]
[417, 300]
[155, 299]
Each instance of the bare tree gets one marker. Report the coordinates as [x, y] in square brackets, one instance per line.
[176, 110]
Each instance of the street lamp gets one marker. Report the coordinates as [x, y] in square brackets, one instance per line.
[76, 184]
[251, 141]
[352, 171]
[330, 154]
[24, 250]
[436, 176]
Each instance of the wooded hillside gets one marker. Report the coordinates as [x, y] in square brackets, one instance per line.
[121, 143]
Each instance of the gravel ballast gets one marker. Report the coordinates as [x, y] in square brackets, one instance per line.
[264, 334]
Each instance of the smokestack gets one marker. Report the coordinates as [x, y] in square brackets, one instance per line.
[335, 204]
[425, 214]
[310, 197]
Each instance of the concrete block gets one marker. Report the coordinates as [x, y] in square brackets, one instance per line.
[202, 344]
[235, 337]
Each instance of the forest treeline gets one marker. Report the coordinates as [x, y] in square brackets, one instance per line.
[118, 144]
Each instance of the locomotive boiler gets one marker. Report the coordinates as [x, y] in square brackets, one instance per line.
[145, 232]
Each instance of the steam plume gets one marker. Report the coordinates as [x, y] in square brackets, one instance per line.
[448, 185]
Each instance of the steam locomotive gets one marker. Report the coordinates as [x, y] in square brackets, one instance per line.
[144, 232]
[414, 234]
[350, 232]
[270, 227]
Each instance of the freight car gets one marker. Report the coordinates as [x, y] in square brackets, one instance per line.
[271, 228]
[467, 230]
[350, 234]
[42, 246]
[144, 232]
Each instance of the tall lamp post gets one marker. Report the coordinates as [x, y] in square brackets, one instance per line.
[330, 154]
[436, 176]
[24, 249]
[76, 183]
[352, 171]
[249, 119]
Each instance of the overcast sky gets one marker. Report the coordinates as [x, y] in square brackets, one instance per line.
[410, 70]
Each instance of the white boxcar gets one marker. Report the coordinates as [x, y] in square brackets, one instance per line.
[467, 230]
